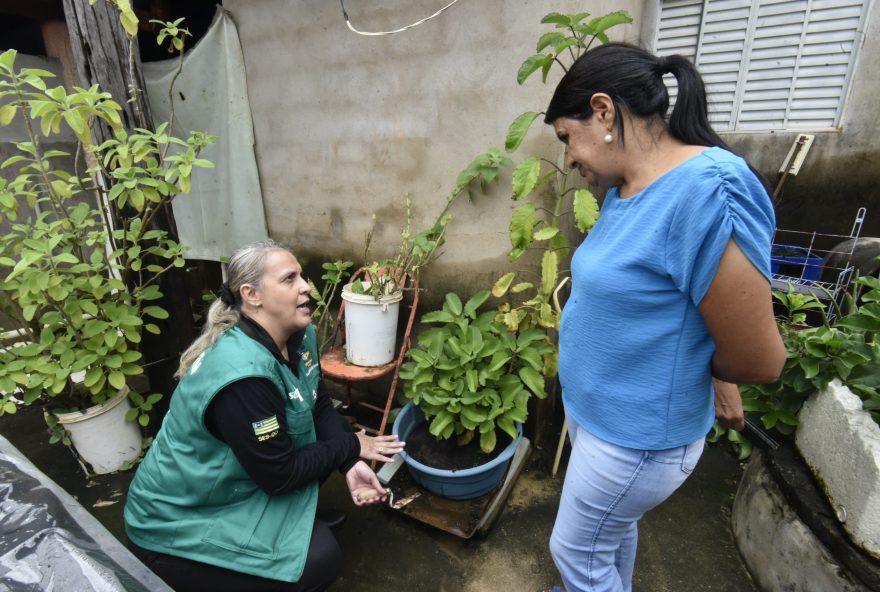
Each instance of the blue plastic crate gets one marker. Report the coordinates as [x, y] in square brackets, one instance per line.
[793, 261]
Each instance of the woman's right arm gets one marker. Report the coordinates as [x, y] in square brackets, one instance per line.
[273, 462]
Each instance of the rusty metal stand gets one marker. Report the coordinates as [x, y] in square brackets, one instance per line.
[335, 366]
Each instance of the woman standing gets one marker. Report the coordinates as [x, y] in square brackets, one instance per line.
[670, 290]
[226, 497]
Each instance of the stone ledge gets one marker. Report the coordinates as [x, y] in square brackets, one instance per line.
[841, 444]
[781, 551]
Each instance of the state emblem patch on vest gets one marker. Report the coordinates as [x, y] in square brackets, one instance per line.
[266, 428]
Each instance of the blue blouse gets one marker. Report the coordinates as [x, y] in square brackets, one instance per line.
[634, 352]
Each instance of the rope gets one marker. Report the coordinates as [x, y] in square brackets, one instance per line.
[400, 30]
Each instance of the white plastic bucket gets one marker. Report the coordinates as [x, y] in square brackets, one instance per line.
[101, 435]
[370, 327]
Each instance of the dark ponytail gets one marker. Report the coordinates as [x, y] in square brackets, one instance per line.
[633, 78]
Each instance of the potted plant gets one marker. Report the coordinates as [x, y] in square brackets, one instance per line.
[79, 263]
[470, 376]
[372, 303]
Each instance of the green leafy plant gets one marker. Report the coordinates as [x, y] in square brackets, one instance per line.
[847, 349]
[534, 225]
[385, 276]
[79, 265]
[471, 375]
[334, 273]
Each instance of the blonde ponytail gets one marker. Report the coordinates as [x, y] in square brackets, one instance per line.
[246, 266]
[221, 318]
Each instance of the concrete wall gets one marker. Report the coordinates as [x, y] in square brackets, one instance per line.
[346, 124]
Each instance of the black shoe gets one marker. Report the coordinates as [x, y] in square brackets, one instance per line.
[332, 518]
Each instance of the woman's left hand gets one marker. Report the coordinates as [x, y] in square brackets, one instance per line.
[380, 448]
[363, 485]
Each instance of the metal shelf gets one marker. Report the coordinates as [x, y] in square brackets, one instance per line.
[825, 270]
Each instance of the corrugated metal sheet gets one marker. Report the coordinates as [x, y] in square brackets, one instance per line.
[767, 64]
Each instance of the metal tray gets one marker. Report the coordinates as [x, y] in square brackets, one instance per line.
[463, 518]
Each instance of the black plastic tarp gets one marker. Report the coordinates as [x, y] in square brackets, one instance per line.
[49, 542]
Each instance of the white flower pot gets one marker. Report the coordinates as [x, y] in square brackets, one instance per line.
[101, 435]
[370, 327]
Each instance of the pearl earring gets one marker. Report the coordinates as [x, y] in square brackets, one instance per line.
[608, 139]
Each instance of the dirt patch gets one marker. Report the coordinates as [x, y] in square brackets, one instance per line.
[447, 454]
[534, 488]
[503, 571]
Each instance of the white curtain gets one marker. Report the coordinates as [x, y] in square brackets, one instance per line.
[224, 210]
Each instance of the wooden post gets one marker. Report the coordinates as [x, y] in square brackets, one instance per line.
[105, 55]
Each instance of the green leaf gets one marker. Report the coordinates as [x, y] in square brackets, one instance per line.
[810, 366]
[501, 286]
[78, 124]
[453, 304]
[127, 17]
[564, 44]
[547, 39]
[471, 379]
[473, 414]
[546, 233]
[532, 64]
[586, 210]
[7, 113]
[532, 358]
[29, 311]
[92, 376]
[612, 19]
[116, 379]
[556, 18]
[522, 225]
[487, 441]
[549, 271]
[859, 323]
[437, 316]
[533, 380]
[12, 160]
[443, 420]
[475, 302]
[7, 59]
[517, 130]
[525, 177]
[157, 312]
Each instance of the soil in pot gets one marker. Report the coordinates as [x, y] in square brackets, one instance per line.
[422, 446]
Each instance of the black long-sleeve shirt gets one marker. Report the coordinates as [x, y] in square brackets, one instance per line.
[274, 464]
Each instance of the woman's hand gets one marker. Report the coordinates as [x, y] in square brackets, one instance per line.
[363, 484]
[728, 405]
[379, 447]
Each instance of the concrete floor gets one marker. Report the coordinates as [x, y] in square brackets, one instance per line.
[685, 545]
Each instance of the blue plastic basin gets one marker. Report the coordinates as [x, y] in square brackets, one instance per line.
[457, 485]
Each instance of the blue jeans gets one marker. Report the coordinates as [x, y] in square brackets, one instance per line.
[607, 489]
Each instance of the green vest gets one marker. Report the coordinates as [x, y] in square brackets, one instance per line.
[191, 498]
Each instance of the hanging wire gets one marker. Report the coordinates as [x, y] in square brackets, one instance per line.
[400, 30]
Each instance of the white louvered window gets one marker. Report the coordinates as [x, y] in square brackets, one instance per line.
[767, 64]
